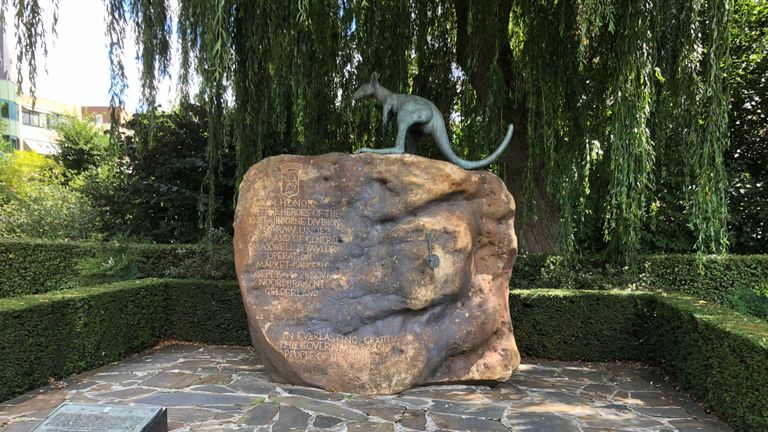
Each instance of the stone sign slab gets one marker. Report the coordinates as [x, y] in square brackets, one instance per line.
[69, 417]
[373, 274]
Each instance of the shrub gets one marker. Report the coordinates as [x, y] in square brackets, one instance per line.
[35, 203]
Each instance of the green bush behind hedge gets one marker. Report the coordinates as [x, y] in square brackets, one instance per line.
[35, 267]
[737, 281]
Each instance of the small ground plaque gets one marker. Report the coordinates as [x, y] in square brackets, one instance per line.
[70, 417]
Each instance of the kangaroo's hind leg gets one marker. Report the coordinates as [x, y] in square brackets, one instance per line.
[399, 147]
[410, 142]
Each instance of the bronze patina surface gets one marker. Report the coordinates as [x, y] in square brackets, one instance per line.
[373, 274]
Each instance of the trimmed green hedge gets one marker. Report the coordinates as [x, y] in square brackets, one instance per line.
[65, 332]
[36, 267]
[718, 355]
[737, 281]
[579, 325]
[206, 312]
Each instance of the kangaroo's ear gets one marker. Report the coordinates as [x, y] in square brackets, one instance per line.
[375, 78]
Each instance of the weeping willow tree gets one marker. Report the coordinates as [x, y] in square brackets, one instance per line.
[620, 106]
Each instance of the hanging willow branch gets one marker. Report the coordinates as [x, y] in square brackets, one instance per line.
[709, 214]
[624, 101]
[31, 35]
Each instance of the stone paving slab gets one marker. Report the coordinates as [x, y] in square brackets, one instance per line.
[212, 388]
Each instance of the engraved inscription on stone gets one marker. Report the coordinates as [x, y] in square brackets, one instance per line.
[104, 418]
[291, 243]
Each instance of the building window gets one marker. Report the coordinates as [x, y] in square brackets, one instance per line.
[34, 118]
[99, 118]
[5, 111]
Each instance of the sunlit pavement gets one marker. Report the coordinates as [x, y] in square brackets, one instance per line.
[212, 388]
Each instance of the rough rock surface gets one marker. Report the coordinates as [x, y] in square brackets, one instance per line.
[331, 256]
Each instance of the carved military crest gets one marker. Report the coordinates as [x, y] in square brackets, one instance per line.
[289, 179]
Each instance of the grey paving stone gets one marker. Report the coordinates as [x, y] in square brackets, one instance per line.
[24, 426]
[414, 419]
[665, 412]
[194, 399]
[414, 402]
[114, 377]
[215, 378]
[324, 422]
[34, 405]
[451, 422]
[547, 383]
[537, 370]
[643, 398]
[321, 407]
[193, 365]
[595, 429]
[695, 426]
[637, 384]
[260, 415]
[230, 387]
[124, 394]
[541, 422]
[369, 427]
[567, 398]
[195, 415]
[384, 409]
[82, 398]
[447, 395]
[290, 419]
[80, 384]
[314, 393]
[605, 390]
[479, 410]
[585, 375]
[211, 388]
[255, 386]
[622, 422]
[170, 380]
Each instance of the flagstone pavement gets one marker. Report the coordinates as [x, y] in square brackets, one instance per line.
[214, 388]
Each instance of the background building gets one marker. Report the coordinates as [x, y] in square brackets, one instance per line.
[29, 124]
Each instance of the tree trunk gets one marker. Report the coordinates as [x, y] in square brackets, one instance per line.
[535, 235]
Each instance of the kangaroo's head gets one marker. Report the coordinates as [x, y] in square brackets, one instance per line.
[368, 89]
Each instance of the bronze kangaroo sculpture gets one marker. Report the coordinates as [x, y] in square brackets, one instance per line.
[416, 117]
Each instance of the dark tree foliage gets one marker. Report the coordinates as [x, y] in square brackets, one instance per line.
[747, 158]
[154, 192]
[620, 106]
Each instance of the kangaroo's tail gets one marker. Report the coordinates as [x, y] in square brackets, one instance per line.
[445, 146]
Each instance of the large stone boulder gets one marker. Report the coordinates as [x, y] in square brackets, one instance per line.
[332, 257]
